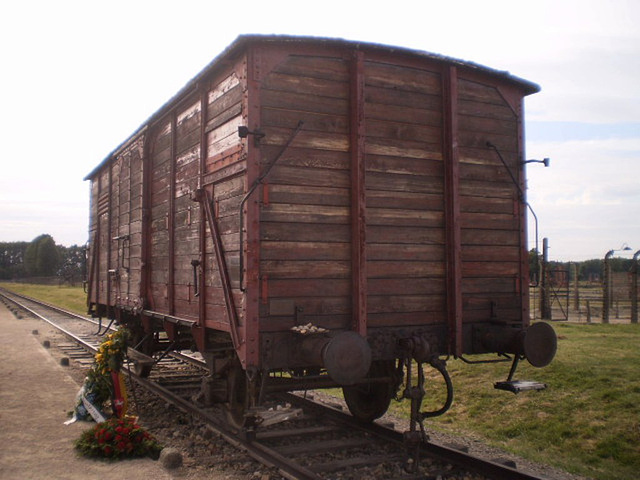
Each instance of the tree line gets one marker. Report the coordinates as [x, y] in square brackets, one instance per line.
[42, 258]
[587, 269]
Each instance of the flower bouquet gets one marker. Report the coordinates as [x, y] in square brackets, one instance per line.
[104, 386]
[118, 438]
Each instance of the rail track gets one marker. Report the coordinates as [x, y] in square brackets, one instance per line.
[300, 438]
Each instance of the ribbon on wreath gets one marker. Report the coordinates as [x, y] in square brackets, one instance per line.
[119, 399]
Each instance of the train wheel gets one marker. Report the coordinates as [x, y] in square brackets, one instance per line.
[238, 399]
[370, 401]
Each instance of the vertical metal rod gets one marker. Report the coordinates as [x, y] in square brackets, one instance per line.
[634, 287]
[545, 290]
[606, 286]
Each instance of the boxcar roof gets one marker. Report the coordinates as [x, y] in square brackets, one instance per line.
[243, 41]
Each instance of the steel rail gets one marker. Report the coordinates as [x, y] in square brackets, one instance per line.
[479, 465]
[84, 344]
[269, 457]
[260, 453]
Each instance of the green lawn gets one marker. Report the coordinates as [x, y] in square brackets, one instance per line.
[586, 422]
[70, 298]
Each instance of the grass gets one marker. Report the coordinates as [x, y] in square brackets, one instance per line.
[586, 422]
[70, 298]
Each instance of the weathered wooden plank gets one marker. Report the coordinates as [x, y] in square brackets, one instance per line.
[306, 158]
[475, 139]
[402, 78]
[498, 253]
[307, 195]
[405, 235]
[384, 128]
[480, 286]
[304, 251]
[324, 67]
[407, 252]
[470, 90]
[478, 188]
[496, 221]
[224, 96]
[405, 303]
[318, 122]
[307, 139]
[306, 269]
[483, 204]
[406, 218]
[390, 96]
[314, 177]
[314, 214]
[227, 115]
[400, 114]
[406, 319]
[293, 233]
[406, 286]
[404, 200]
[324, 305]
[489, 269]
[404, 269]
[489, 237]
[312, 86]
[404, 183]
[493, 126]
[311, 287]
[304, 103]
[481, 109]
[405, 165]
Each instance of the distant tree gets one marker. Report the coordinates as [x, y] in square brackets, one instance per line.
[12, 259]
[73, 263]
[42, 257]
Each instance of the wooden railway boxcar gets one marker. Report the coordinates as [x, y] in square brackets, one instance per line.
[294, 181]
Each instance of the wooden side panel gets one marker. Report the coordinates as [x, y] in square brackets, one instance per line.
[104, 179]
[305, 238]
[93, 287]
[125, 240]
[405, 205]
[159, 179]
[186, 212]
[225, 181]
[490, 206]
[306, 211]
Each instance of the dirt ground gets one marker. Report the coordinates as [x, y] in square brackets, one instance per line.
[36, 394]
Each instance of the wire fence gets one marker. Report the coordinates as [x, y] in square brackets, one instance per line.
[613, 299]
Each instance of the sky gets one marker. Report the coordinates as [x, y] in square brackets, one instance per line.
[80, 76]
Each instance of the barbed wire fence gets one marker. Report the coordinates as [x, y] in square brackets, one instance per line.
[560, 294]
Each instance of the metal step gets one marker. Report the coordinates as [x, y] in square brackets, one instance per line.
[517, 386]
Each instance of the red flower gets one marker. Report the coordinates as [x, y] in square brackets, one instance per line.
[108, 450]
